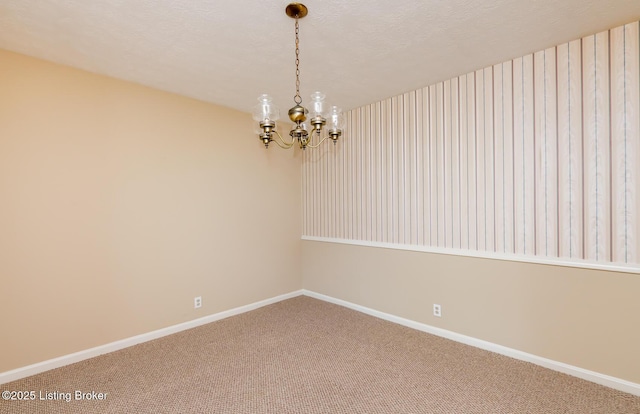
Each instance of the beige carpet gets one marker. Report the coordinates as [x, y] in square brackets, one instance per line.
[307, 356]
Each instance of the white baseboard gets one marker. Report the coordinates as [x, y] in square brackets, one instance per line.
[606, 380]
[39, 367]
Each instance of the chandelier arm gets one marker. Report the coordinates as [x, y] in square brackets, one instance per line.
[319, 143]
[282, 143]
[282, 146]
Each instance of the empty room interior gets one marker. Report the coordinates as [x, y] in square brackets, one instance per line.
[480, 187]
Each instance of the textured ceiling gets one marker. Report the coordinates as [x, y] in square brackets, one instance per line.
[357, 52]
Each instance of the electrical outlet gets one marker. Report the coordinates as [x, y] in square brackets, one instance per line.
[437, 310]
[197, 302]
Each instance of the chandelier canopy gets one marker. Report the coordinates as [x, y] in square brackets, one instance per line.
[266, 113]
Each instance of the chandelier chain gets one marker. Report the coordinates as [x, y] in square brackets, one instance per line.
[297, 98]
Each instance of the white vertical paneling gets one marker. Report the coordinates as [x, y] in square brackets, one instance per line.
[464, 164]
[535, 156]
[310, 193]
[393, 216]
[472, 172]
[331, 196]
[312, 197]
[320, 193]
[381, 172]
[507, 175]
[440, 164]
[392, 188]
[360, 213]
[499, 156]
[335, 156]
[618, 145]
[355, 175]
[481, 190]
[336, 153]
[349, 165]
[446, 159]
[421, 163]
[540, 150]
[308, 197]
[520, 156]
[433, 165]
[489, 179]
[305, 204]
[411, 155]
[529, 179]
[369, 182]
[546, 153]
[351, 177]
[306, 180]
[398, 170]
[339, 154]
[632, 131]
[407, 170]
[426, 178]
[455, 164]
[368, 174]
[596, 146]
[324, 175]
[632, 69]
[340, 186]
[346, 167]
[375, 172]
[446, 164]
[624, 141]
[570, 201]
[326, 213]
[321, 196]
[329, 165]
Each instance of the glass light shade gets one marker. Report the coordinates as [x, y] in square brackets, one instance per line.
[336, 118]
[265, 110]
[318, 106]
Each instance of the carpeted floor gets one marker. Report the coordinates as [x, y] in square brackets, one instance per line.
[303, 355]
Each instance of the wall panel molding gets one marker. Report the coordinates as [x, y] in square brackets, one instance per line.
[535, 157]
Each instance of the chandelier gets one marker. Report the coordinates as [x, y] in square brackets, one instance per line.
[266, 113]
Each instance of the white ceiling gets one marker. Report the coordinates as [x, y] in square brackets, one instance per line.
[357, 52]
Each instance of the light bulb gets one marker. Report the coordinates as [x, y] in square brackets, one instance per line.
[265, 110]
[318, 106]
[336, 118]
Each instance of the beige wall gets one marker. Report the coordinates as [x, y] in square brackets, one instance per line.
[119, 204]
[585, 318]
